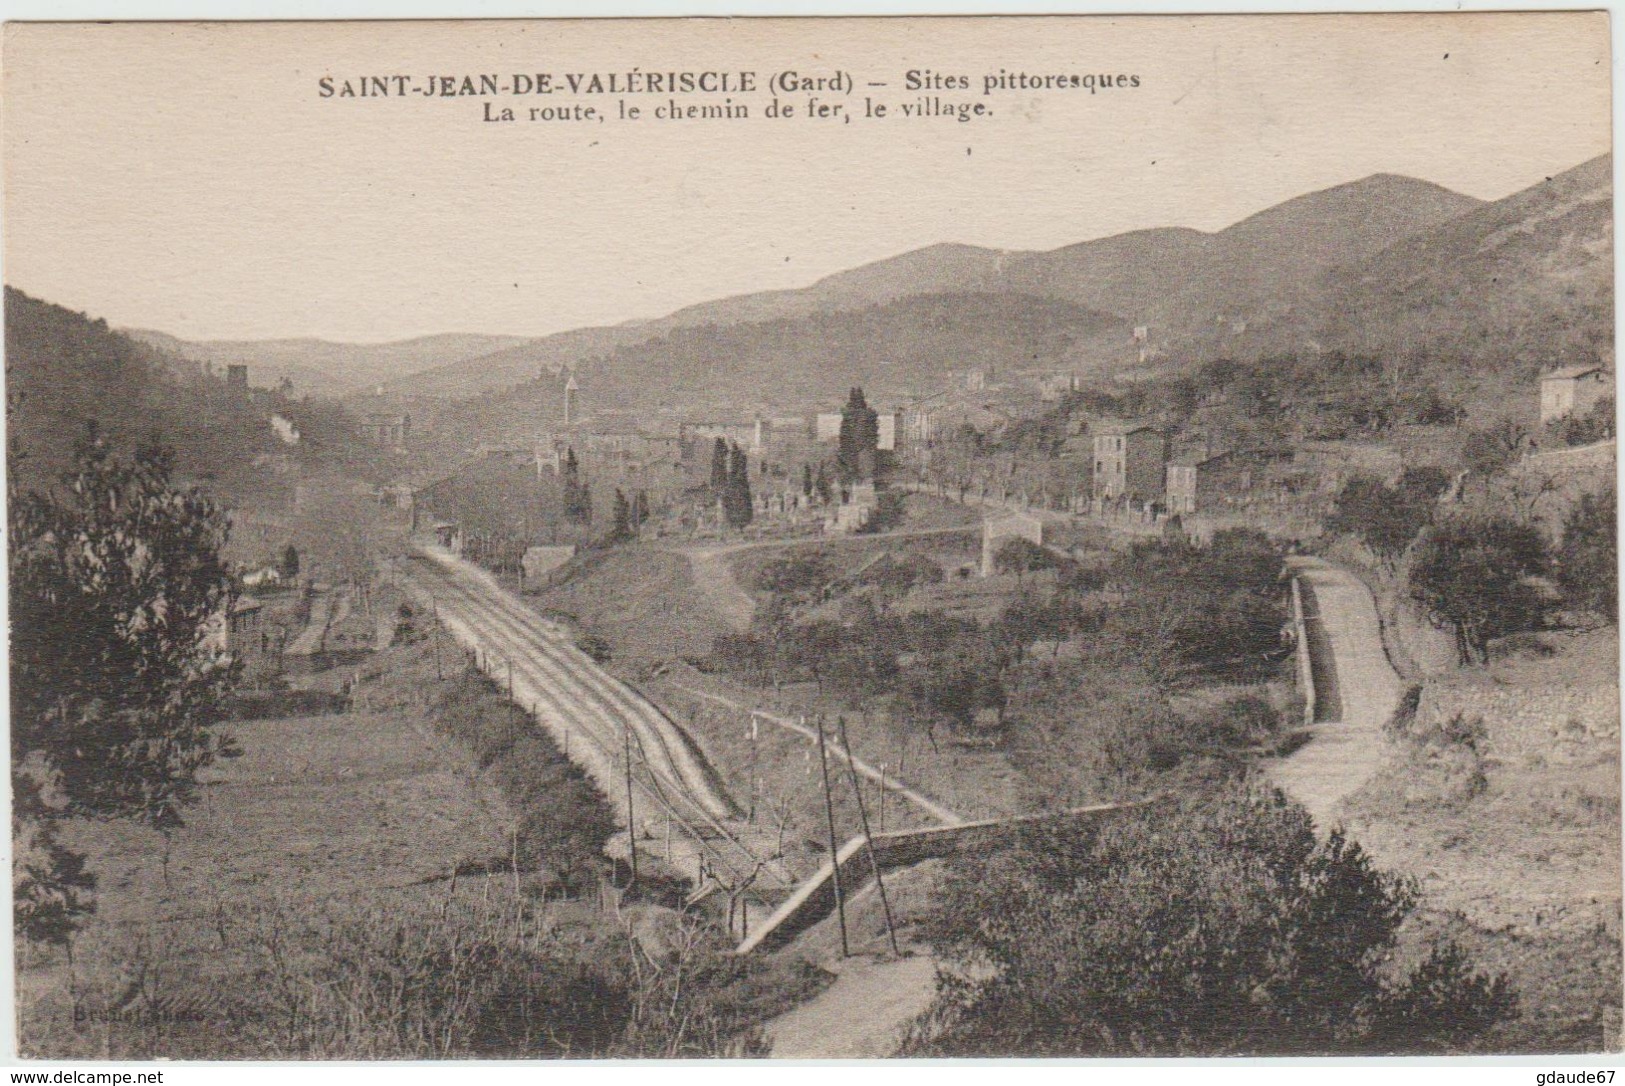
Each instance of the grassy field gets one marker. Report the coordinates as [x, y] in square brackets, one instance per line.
[359, 885]
[1523, 868]
[319, 813]
[642, 600]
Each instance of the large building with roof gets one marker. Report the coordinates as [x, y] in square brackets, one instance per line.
[1129, 462]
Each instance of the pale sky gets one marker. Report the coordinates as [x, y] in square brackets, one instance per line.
[190, 178]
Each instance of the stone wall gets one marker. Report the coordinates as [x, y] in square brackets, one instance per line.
[1554, 723]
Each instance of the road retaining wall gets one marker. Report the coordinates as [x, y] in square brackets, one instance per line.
[815, 898]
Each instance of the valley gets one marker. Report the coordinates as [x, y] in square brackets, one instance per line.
[780, 675]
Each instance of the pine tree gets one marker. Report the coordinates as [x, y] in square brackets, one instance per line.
[806, 480]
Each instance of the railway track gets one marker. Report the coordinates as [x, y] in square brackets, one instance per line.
[595, 717]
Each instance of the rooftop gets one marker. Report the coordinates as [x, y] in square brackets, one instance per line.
[1120, 428]
[1570, 372]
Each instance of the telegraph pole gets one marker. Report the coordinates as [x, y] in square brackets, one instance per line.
[631, 819]
[868, 838]
[435, 605]
[834, 854]
[754, 782]
[882, 799]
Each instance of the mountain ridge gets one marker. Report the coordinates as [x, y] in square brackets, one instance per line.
[1145, 276]
[1293, 276]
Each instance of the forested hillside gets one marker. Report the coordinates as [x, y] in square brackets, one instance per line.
[67, 372]
[912, 344]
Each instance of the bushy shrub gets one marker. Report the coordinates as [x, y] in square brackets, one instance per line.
[1588, 555]
[1595, 425]
[564, 821]
[1209, 924]
[1245, 720]
[1443, 758]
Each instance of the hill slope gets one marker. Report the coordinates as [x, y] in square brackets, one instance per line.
[328, 369]
[66, 372]
[913, 343]
[1526, 280]
[1175, 280]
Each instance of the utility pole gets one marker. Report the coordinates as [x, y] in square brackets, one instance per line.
[631, 818]
[868, 838]
[882, 797]
[834, 854]
[434, 604]
[754, 782]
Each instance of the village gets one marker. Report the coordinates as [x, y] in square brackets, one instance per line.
[513, 499]
[770, 567]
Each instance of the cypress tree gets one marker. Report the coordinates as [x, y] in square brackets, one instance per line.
[719, 465]
[736, 502]
[577, 506]
[859, 439]
[621, 527]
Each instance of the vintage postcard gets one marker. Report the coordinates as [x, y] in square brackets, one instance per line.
[862, 537]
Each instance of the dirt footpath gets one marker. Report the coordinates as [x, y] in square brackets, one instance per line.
[862, 1015]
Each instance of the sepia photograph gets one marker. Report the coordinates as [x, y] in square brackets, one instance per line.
[1046, 537]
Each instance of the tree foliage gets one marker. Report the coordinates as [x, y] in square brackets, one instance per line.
[894, 578]
[798, 576]
[116, 577]
[620, 518]
[1588, 555]
[1597, 424]
[953, 682]
[1489, 451]
[1473, 574]
[719, 465]
[737, 505]
[859, 440]
[1022, 556]
[1212, 924]
[577, 497]
[1217, 609]
[1387, 518]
